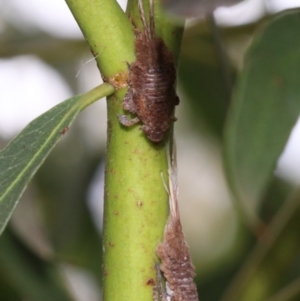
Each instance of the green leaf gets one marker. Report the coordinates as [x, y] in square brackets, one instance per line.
[201, 80]
[265, 107]
[23, 156]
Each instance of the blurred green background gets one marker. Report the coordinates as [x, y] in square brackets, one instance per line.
[52, 247]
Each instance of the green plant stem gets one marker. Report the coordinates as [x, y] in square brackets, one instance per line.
[135, 210]
[135, 202]
[108, 32]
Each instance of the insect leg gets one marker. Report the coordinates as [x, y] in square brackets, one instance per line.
[128, 103]
[152, 23]
[155, 293]
[125, 120]
[159, 288]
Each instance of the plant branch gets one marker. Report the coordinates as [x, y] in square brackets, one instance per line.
[108, 32]
[135, 201]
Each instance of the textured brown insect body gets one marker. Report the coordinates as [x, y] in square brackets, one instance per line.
[151, 94]
[176, 263]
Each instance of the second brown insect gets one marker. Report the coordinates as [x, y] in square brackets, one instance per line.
[173, 251]
[151, 94]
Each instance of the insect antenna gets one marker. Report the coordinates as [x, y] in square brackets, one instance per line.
[143, 18]
[173, 182]
[152, 21]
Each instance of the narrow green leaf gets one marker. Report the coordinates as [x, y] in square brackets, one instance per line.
[23, 156]
[266, 106]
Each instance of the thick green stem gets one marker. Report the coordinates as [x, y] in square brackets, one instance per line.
[108, 32]
[135, 210]
[136, 202]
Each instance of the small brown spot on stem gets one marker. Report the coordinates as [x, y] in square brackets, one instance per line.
[139, 204]
[116, 213]
[111, 244]
[150, 282]
[94, 53]
[64, 130]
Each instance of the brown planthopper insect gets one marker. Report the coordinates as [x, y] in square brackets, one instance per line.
[151, 94]
[173, 252]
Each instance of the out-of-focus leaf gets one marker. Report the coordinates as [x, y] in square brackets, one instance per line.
[42, 45]
[202, 79]
[23, 156]
[63, 183]
[265, 107]
[272, 200]
[203, 85]
[266, 269]
[27, 276]
[212, 287]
